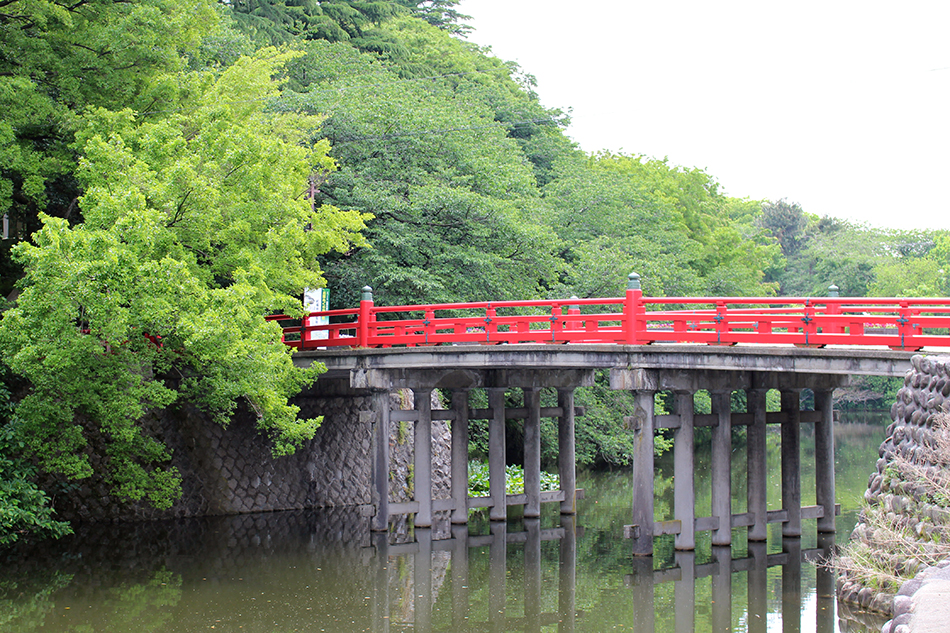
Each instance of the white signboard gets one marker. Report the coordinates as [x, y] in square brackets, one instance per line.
[317, 300]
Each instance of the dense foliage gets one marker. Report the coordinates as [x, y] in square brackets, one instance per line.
[170, 177]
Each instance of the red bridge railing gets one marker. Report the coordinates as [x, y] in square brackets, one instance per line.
[904, 323]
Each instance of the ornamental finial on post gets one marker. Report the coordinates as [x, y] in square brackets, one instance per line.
[832, 290]
[367, 294]
[633, 281]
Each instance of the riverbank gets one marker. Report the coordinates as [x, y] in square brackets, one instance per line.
[904, 528]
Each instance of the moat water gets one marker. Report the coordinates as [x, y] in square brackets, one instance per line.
[325, 571]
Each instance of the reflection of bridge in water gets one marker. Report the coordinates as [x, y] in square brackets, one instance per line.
[529, 607]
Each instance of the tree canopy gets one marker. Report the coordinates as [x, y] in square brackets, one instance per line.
[157, 161]
[195, 227]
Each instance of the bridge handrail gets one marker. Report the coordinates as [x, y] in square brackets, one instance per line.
[898, 323]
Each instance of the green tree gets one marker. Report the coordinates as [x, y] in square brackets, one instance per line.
[195, 227]
[616, 213]
[441, 14]
[58, 58]
[457, 215]
[281, 21]
[24, 507]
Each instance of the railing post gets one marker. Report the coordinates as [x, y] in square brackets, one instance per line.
[905, 328]
[631, 308]
[428, 324]
[573, 310]
[557, 322]
[366, 309]
[809, 327]
[490, 326]
[833, 309]
[720, 320]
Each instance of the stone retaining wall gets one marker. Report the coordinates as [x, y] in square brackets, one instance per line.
[231, 470]
[904, 502]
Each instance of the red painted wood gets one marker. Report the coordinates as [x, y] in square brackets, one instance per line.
[907, 324]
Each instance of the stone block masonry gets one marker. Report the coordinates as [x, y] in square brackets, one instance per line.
[231, 470]
[906, 524]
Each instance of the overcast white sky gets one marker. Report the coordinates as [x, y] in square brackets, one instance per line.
[841, 106]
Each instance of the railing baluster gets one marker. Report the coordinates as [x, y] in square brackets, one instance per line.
[836, 320]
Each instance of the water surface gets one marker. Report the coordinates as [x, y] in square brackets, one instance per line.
[324, 570]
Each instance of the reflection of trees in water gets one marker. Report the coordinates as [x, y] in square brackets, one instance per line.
[25, 603]
[318, 571]
[143, 605]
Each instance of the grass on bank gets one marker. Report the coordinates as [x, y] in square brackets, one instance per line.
[911, 530]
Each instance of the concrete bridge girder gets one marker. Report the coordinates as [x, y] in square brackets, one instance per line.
[465, 378]
[713, 380]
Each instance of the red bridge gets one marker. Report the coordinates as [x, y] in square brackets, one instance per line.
[459, 352]
[900, 324]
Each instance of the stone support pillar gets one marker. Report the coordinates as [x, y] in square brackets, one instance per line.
[422, 458]
[643, 473]
[460, 456]
[756, 465]
[566, 460]
[791, 466]
[825, 460]
[496, 455]
[721, 468]
[684, 497]
[381, 460]
[532, 453]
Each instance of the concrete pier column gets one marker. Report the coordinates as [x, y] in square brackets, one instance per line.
[460, 456]
[532, 576]
[791, 464]
[532, 452]
[825, 460]
[756, 467]
[460, 594]
[566, 460]
[567, 575]
[422, 581]
[722, 590]
[381, 461]
[758, 587]
[497, 572]
[684, 497]
[721, 467]
[422, 458]
[643, 473]
[684, 593]
[496, 455]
